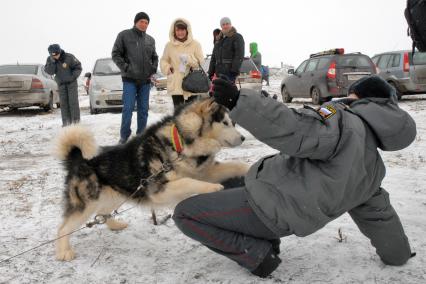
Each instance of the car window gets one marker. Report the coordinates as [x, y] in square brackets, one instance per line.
[353, 61]
[312, 64]
[375, 59]
[19, 69]
[323, 63]
[396, 58]
[248, 65]
[105, 67]
[301, 67]
[44, 73]
[384, 61]
[419, 58]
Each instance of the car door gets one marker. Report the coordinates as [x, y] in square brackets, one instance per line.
[382, 64]
[293, 82]
[308, 77]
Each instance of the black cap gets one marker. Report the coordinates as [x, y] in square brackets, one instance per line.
[140, 16]
[371, 86]
[54, 49]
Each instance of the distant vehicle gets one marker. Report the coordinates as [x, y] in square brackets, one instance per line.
[403, 71]
[105, 87]
[250, 76]
[160, 81]
[326, 75]
[24, 85]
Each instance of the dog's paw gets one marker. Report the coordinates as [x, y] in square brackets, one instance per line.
[65, 255]
[115, 225]
[215, 187]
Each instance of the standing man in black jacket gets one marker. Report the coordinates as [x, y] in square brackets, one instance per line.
[66, 69]
[228, 52]
[135, 55]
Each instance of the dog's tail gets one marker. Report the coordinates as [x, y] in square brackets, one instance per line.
[75, 142]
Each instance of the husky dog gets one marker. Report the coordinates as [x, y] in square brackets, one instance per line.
[173, 160]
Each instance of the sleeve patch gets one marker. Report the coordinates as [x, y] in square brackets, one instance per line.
[327, 111]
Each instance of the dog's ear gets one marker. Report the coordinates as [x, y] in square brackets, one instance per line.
[207, 106]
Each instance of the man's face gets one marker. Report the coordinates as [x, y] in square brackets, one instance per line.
[226, 27]
[55, 55]
[142, 25]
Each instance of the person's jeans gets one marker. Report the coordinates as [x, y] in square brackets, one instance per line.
[131, 95]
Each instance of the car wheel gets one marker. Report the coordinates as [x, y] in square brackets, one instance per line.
[49, 106]
[93, 110]
[398, 93]
[316, 96]
[286, 95]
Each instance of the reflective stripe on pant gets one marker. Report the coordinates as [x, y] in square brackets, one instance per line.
[68, 98]
[225, 223]
[131, 95]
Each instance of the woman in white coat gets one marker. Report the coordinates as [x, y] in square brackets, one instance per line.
[181, 53]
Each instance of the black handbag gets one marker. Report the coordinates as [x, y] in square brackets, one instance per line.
[196, 81]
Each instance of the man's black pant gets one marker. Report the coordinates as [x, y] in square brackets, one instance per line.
[225, 223]
[68, 98]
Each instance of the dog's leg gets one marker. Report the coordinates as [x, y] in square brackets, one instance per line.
[180, 189]
[72, 222]
[221, 171]
[109, 201]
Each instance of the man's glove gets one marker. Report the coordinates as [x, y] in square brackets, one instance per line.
[225, 93]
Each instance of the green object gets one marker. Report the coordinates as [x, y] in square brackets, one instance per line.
[253, 49]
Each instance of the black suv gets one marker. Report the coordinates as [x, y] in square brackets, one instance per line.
[326, 75]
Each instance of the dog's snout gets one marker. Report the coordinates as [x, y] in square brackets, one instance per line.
[242, 138]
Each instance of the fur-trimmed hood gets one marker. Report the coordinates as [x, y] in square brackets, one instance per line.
[172, 38]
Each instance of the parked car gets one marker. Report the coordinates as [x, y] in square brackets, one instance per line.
[326, 75]
[403, 71]
[23, 85]
[105, 87]
[160, 81]
[250, 76]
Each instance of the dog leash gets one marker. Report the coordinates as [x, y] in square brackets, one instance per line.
[103, 218]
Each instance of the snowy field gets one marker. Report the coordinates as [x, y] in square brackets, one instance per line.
[31, 183]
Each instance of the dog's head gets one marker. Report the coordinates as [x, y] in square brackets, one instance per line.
[206, 118]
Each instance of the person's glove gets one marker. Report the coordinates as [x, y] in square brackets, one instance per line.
[225, 93]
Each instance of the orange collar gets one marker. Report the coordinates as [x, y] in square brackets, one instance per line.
[176, 139]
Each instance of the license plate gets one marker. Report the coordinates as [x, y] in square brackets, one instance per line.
[12, 84]
[355, 77]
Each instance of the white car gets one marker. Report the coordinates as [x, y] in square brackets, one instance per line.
[105, 86]
[23, 85]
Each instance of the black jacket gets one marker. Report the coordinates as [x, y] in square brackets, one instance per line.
[135, 55]
[66, 69]
[228, 54]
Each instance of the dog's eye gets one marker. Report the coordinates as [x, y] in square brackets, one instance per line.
[226, 123]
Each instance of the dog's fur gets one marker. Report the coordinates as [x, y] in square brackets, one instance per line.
[99, 183]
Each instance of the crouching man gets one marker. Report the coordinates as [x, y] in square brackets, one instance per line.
[66, 69]
[328, 164]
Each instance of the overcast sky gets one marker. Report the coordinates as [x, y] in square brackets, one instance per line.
[286, 31]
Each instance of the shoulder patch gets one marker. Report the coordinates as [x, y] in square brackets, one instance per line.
[327, 111]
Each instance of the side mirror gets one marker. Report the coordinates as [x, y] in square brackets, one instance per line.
[88, 75]
[290, 71]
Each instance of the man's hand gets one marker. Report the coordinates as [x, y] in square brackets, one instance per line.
[225, 93]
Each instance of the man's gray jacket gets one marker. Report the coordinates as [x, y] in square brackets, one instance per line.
[134, 53]
[328, 162]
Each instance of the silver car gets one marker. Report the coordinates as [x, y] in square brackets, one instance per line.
[403, 71]
[105, 86]
[24, 85]
[250, 76]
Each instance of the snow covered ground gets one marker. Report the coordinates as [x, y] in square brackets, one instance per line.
[31, 183]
